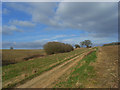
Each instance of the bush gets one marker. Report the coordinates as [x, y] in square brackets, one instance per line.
[11, 48]
[57, 47]
[68, 48]
[77, 46]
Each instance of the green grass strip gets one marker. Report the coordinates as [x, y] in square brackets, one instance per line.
[78, 78]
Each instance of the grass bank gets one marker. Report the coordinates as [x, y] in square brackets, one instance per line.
[20, 72]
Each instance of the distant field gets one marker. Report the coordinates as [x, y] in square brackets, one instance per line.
[16, 72]
[15, 56]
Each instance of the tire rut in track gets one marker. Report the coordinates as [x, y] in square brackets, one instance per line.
[49, 77]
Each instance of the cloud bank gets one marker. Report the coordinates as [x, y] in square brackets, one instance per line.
[98, 19]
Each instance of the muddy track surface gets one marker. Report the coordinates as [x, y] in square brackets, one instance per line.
[49, 77]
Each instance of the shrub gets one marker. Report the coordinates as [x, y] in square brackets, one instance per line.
[57, 47]
[11, 48]
[77, 46]
[68, 48]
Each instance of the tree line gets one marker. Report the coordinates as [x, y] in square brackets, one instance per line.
[113, 43]
[58, 47]
[85, 43]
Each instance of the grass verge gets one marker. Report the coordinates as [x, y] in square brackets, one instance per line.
[80, 74]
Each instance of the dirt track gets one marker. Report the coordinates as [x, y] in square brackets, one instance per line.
[46, 79]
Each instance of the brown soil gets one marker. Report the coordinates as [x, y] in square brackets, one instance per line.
[48, 78]
[106, 68]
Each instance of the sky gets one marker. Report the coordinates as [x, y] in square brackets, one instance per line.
[28, 25]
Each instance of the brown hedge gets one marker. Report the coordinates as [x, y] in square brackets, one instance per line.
[57, 47]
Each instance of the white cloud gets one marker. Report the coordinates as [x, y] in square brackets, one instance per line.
[58, 36]
[22, 23]
[41, 12]
[90, 17]
[97, 19]
[10, 29]
[70, 40]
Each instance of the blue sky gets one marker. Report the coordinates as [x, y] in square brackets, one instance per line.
[31, 25]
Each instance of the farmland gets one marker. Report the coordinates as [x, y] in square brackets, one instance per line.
[98, 70]
[80, 73]
[15, 56]
[30, 68]
[63, 44]
[81, 68]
